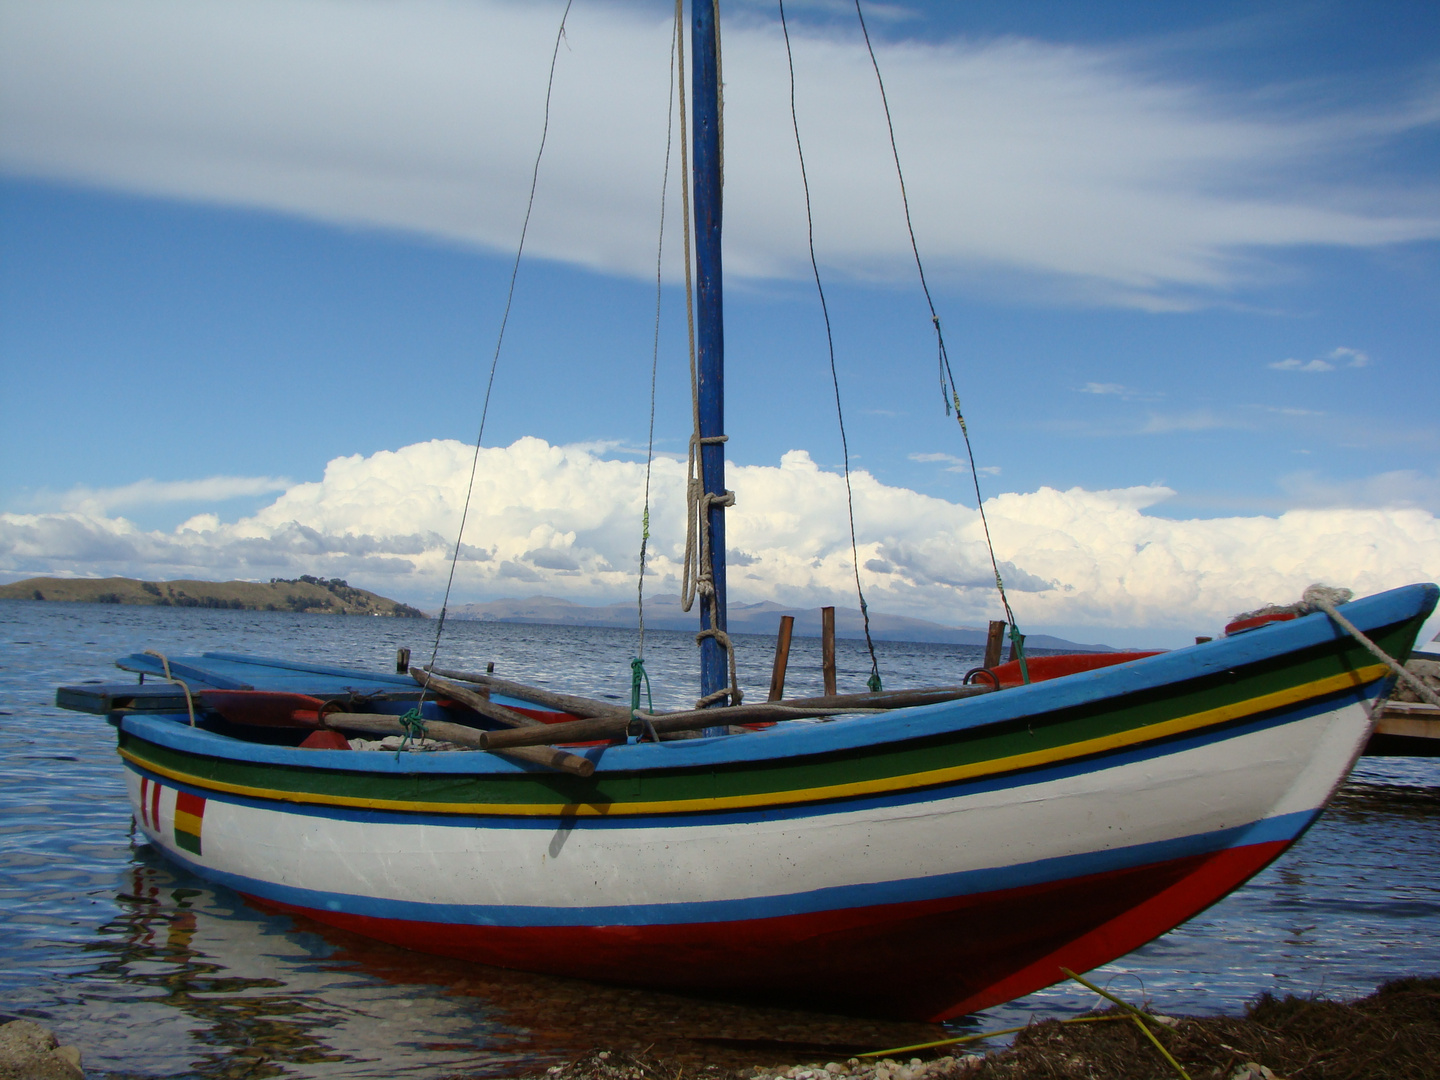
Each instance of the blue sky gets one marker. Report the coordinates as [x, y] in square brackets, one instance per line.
[1174, 247]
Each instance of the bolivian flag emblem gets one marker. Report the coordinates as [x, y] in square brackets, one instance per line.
[189, 816]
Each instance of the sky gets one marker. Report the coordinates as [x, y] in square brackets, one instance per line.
[254, 259]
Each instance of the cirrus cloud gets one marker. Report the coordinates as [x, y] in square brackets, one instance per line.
[1070, 163]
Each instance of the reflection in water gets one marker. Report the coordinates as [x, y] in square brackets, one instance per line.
[261, 995]
[153, 973]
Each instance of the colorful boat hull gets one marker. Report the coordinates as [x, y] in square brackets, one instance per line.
[919, 864]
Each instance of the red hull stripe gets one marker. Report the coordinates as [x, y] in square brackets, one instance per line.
[976, 950]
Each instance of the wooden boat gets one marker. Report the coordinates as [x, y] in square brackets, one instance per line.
[923, 862]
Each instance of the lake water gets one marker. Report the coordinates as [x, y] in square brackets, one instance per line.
[152, 972]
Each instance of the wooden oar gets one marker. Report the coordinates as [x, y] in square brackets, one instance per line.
[569, 703]
[479, 702]
[604, 727]
[538, 754]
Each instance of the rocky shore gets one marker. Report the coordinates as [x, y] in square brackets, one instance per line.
[1394, 1034]
[30, 1052]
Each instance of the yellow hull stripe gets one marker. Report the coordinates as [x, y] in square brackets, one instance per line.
[884, 785]
[187, 823]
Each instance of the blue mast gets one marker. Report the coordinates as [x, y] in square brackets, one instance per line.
[710, 330]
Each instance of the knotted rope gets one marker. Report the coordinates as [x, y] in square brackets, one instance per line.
[414, 730]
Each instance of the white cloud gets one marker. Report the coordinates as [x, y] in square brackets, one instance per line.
[565, 521]
[1339, 357]
[157, 492]
[1066, 161]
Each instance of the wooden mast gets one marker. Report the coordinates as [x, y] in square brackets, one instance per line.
[710, 331]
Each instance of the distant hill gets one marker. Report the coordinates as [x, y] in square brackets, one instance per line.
[306, 593]
[663, 613]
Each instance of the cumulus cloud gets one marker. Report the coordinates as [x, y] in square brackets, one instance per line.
[566, 521]
[1076, 163]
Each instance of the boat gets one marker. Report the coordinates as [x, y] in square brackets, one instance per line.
[916, 857]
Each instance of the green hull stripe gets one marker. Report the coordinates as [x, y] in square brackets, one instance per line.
[1024, 743]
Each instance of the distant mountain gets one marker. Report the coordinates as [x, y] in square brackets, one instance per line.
[663, 613]
[326, 596]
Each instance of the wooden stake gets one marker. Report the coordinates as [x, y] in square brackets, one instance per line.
[782, 658]
[827, 648]
[994, 642]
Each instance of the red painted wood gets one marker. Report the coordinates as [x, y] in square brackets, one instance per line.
[973, 951]
[1240, 625]
[1054, 667]
[264, 708]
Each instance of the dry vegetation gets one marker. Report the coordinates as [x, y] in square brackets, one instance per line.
[1394, 1034]
[327, 596]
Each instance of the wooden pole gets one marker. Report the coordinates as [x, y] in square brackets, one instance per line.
[782, 658]
[994, 642]
[827, 648]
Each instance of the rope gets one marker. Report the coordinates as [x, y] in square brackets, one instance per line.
[1326, 599]
[165, 664]
[723, 640]
[499, 341]
[655, 349]
[948, 392]
[874, 681]
[638, 719]
[414, 730]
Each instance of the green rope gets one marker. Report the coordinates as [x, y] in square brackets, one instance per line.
[639, 675]
[1017, 642]
[414, 730]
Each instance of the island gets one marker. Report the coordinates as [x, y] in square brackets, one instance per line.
[325, 596]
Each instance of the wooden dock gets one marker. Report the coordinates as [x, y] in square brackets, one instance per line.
[1409, 727]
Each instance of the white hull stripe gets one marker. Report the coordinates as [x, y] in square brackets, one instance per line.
[1283, 829]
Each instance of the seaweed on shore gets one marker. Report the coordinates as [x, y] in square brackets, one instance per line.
[1393, 1034]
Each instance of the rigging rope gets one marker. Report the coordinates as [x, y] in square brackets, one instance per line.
[874, 681]
[655, 349]
[500, 339]
[948, 391]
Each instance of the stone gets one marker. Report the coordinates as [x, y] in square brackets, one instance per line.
[29, 1052]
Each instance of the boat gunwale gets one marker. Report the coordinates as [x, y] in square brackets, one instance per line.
[1285, 644]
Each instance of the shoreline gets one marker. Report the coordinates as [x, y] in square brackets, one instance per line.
[1391, 1034]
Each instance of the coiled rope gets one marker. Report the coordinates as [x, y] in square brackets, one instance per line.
[948, 392]
[874, 681]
